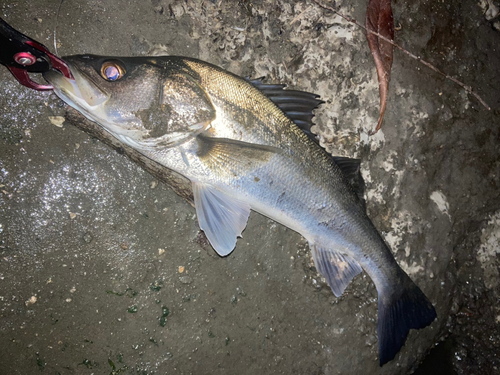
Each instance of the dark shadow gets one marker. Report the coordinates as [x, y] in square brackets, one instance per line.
[439, 361]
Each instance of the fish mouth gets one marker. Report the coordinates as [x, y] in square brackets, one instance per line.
[81, 91]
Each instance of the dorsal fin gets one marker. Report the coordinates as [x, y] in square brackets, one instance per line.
[352, 172]
[297, 105]
[349, 167]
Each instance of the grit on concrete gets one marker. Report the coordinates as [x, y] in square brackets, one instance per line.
[103, 271]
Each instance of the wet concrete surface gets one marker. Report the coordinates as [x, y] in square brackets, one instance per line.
[104, 271]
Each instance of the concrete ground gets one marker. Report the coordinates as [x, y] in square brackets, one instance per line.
[104, 271]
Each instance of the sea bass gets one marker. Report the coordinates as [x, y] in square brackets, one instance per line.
[243, 145]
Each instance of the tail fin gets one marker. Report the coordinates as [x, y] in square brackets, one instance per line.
[398, 312]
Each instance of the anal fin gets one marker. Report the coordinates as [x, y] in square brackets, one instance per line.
[338, 269]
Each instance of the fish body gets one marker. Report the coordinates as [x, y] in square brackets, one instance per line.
[243, 151]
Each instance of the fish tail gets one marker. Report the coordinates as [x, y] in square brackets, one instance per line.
[398, 312]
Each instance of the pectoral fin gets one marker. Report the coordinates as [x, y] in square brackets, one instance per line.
[338, 269]
[220, 216]
[233, 158]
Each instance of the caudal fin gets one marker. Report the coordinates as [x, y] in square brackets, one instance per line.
[398, 312]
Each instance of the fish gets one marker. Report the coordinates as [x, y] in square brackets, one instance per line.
[245, 145]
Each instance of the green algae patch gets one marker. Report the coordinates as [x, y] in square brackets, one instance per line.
[133, 309]
[156, 286]
[164, 313]
[114, 370]
[87, 363]
[40, 362]
[129, 292]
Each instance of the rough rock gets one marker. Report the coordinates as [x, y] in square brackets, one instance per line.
[81, 226]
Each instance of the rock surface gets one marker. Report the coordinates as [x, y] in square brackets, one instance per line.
[102, 270]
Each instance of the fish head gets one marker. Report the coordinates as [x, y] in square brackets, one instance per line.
[146, 102]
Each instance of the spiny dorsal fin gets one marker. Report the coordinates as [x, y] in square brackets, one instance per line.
[297, 105]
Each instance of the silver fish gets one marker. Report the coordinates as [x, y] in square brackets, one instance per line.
[241, 145]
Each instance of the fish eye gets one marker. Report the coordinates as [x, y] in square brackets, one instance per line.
[112, 71]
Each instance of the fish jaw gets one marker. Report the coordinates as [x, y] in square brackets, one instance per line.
[80, 90]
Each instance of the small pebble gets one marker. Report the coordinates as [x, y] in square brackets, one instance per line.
[57, 121]
[87, 237]
[31, 301]
[185, 279]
